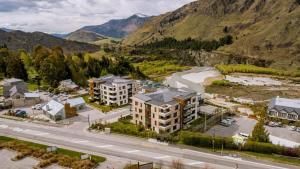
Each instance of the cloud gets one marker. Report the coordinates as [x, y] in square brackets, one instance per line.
[68, 15]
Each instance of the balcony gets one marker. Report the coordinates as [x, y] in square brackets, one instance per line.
[165, 120]
[188, 106]
[188, 119]
[165, 126]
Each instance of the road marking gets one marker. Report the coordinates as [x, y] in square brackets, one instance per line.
[162, 157]
[41, 134]
[195, 163]
[17, 129]
[3, 126]
[105, 146]
[80, 141]
[132, 151]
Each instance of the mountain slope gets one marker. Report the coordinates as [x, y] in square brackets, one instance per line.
[84, 36]
[266, 29]
[21, 40]
[118, 28]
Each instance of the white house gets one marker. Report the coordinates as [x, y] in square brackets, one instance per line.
[54, 110]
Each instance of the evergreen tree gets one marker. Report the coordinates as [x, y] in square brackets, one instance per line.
[15, 67]
[259, 133]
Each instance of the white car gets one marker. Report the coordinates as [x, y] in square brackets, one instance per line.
[293, 128]
[244, 135]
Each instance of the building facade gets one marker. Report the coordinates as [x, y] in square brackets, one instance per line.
[284, 108]
[166, 110]
[112, 90]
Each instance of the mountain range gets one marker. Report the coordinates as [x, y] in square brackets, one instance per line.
[118, 28]
[16, 40]
[267, 29]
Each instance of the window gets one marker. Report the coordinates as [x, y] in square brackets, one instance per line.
[135, 109]
[136, 115]
[155, 109]
[176, 120]
[120, 88]
[175, 114]
[141, 117]
[123, 87]
[136, 103]
[168, 131]
[121, 93]
[121, 102]
[176, 107]
[155, 123]
[141, 105]
[175, 127]
[124, 97]
[153, 115]
[140, 110]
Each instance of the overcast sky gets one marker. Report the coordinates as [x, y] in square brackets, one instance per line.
[61, 16]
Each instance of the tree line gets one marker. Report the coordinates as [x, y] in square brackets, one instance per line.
[50, 66]
[189, 43]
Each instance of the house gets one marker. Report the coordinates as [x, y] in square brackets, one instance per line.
[68, 85]
[166, 110]
[112, 90]
[32, 98]
[77, 103]
[284, 108]
[54, 110]
[14, 88]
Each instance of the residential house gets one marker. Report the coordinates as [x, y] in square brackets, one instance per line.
[284, 108]
[166, 110]
[112, 90]
[68, 85]
[14, 88]
[57, 110]
[32, 98]
[54, 110]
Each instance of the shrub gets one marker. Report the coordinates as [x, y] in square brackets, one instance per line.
[265, 148]
[65, 161]
[83, 164]
[222, 83]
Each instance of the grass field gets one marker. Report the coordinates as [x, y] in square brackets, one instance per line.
[240, 68]
[70, 153]
[102, 108]
[158, 70]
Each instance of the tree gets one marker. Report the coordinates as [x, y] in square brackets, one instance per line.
[3, 55]
[15, 67]
[259, 133]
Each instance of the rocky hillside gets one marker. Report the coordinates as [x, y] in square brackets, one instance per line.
[267, 29]
[84, 36]
[21, 40]
[118, 28]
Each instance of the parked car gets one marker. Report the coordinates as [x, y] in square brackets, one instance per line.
[293, 128]
[21, 113]
[245, 135]
[298, 129]
[225, 123]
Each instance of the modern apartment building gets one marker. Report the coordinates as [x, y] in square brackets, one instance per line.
[166, 110]
[112, 90]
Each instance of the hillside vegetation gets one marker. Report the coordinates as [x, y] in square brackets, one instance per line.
[261, 29]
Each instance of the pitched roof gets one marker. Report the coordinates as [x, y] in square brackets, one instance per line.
[283, 104]
[53, 107]
[31, 95]
[76, 101]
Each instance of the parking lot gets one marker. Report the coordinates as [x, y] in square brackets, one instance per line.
[244, 124]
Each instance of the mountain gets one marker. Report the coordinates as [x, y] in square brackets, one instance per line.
[118, 28]
[267, 29]
[6, 30]
[84, 36]
[21, 40]
[60, 35]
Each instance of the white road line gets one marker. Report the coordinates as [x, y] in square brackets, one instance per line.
[3, 126]
[41, 134]
[80, 141]
[162, 157]
[195, 163]
[132, 151]
[17, 129]
[105, 146]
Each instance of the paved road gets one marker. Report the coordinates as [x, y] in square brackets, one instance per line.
[121, 146]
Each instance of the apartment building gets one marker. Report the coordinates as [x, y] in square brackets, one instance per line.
[112, 90]
[166, 110]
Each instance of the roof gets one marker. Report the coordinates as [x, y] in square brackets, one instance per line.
[288, 105]
[69, 84]
[31, 95]
[208, 109]
[76, 101]
[166, 95]
[54, 107]
[13, 91]
[110, 79]
[12, 80]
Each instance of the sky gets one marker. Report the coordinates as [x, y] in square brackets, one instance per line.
[62, 16]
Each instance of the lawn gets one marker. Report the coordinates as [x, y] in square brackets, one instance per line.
[70, 153]
[32, 87]
[102, 108]
[159, 69]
